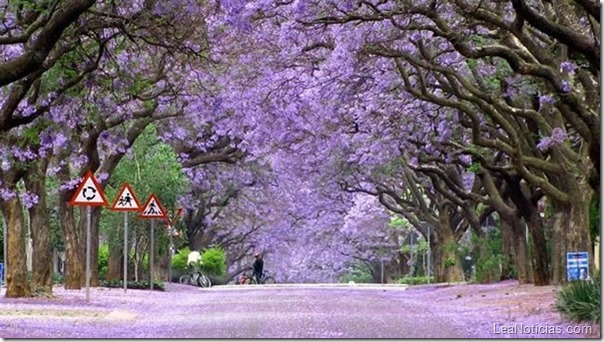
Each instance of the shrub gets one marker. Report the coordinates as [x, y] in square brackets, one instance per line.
[488, 257]
[179, 260]
[356, 276]
[135, 285]
[415, 280]
[214, 261]
[103, 260]
[57, 278]
[580, 300]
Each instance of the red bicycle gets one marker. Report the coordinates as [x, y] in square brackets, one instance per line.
[248, 279]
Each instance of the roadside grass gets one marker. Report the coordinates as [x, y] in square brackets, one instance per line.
[579, 301]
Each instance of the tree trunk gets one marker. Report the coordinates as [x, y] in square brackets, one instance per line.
[571, 233]
[40, 229]
[507, 249]
[196, 239]
[16, 274]
[94, 246]
[73, 260]
[540, 261]
[140, 247]
[402, 261]
[447, 265]
[81, 229]
[115, 263]
[521, 257]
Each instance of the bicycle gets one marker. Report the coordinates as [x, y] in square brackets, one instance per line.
[197, 278]
[246, 280]
[267, 279]
[251, 280]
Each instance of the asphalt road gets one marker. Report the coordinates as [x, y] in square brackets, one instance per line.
[248, 312]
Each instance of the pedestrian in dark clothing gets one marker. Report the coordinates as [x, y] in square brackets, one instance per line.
[258, 267]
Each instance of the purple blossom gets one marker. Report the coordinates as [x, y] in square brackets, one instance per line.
[78, 161]
[468, 180]
[60, 141]
[101, 177]
[12, 51]
[29, 200]
[466, 159]
[7, 194]
[182, 157]
[51, 171]
[348, 5]
[568, 67]
[46, 140]
[488, 70]
[416, 36]
[546, 99]
[180, 133]
[565, 87]
[558, 135]
[28, 111]
[23, 155]
[545, 143]
[300, 7]
[69, 185]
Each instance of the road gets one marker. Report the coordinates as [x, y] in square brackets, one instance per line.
[262, 312]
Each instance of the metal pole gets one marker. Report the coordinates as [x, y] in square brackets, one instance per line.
[89, 223]
[151, 255]
[413, 254]
[5, 241]
[170, 253]
[382, 271]
[125, 251]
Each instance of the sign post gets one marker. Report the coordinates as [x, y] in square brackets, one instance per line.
[126, 201]
[577, 266]
[5, 243]
[89, 194]
[171, 218]
[152, 210]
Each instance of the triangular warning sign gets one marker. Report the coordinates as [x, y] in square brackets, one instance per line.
[153, 209]
[126, 200]
[89, 192]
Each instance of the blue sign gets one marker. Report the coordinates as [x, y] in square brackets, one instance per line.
[1, 273]
[577, 266]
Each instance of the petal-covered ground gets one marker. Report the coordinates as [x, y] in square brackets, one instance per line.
[301, 312]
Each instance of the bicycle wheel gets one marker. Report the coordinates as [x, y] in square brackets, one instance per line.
[184, 279]
[250, 281]
[204, 281]
[269, 280]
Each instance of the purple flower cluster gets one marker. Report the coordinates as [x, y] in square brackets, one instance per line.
[7, 194]
[72, 184]
[28, 199]
[565, 87]
[546, 99]
[568, 67]
[558, 136]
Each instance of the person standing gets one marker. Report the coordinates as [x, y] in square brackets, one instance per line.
[258, 267]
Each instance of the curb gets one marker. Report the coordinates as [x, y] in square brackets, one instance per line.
[399, 287]
[437, 285]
